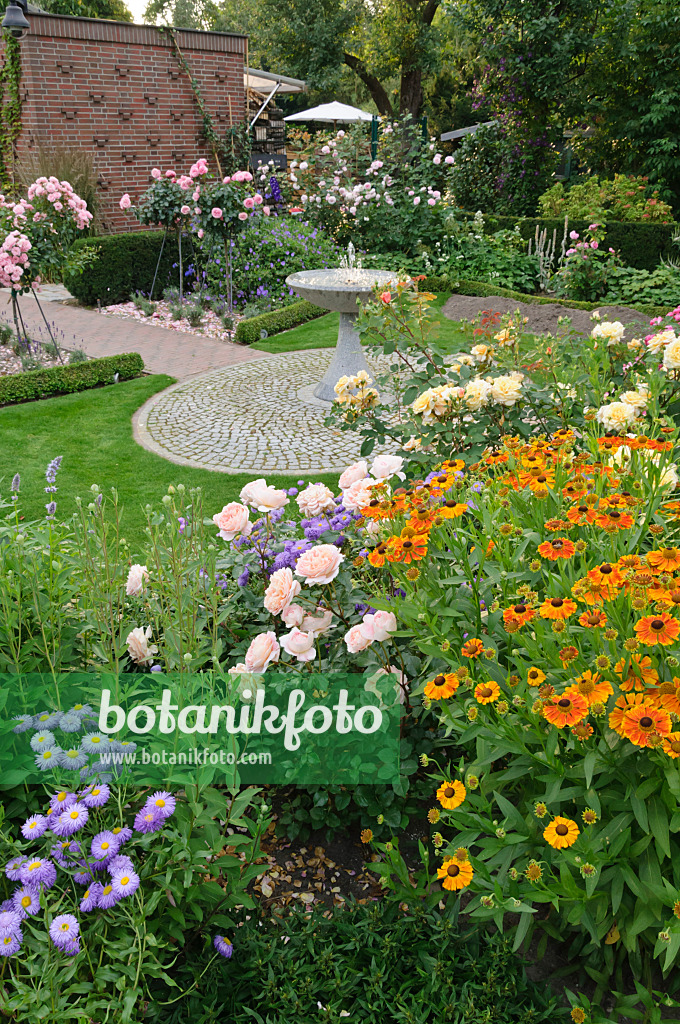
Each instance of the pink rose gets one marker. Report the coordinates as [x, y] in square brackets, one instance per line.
[225, 181]
[379, 626]
[243, 216]
[320, 564]
[263, 651]
[358, 471]
[281, 591]
[358, 495]
[125, 202]
[315, 499]
[356, 641]
[299, 645]
[266, 211]
[385, 297]
[233, 521]
[156, 173]
[319, 623]
[249, 203]
[262, 497]
[170, 174]
[185, 210]
[416, 201]
[257, 199]
[200, 232]
[216, 212]
[386, 466]
[293, 615]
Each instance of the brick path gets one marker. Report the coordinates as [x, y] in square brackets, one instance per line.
[179, 355]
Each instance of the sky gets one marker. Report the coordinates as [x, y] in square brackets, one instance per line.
[137, 8]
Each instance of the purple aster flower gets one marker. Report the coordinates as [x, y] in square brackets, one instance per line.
[123, 835]
[96, 796]
[72, 948]
[38, 871]
[47, 719]
[43, 741]
[64, 930]
[27, 900]
[124, 882]
[13, 869]
[10, 945]
[223, 946]
[93, 743]
[10, 922]
[48, 759]
[162, 802]
[70, 723]
[24, 723]
[107, 897]
[73, 759]
[244, 577]
[104, 845]
[148, 820]
[71, 820]
[62, 801]
[90, 900]
[121, 862]
[34, 827]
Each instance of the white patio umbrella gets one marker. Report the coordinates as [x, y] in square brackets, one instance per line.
[332, 113]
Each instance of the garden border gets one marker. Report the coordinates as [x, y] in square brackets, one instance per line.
[35, 385]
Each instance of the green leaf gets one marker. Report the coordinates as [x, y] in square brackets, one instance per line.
[658, 820]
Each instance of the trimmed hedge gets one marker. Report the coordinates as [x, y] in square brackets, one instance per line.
[249, 331]
[65, 380]
[125, 265]
[640, 243]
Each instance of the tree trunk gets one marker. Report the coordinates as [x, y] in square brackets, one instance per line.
[411, 93]
[380, 97]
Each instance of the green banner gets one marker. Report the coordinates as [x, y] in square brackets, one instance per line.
[172, 729]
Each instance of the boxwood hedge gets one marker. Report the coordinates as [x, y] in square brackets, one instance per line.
[64, 380]
[126, 264]
[249, 331]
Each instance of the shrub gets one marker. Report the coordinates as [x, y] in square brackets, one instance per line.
[125, 264]
[623, 199]
[250, 331]
[64, 380]
[370, 963]
[468, 251]
[629, 285]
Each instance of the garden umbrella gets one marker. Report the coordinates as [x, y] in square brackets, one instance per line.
[331, 112]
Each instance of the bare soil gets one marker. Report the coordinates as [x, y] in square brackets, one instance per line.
[542, 318]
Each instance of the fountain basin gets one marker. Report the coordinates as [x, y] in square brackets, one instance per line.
[340, 290]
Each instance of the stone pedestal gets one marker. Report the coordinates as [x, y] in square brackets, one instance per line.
[348, 359]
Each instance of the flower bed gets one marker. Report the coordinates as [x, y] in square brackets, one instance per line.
[212, 325]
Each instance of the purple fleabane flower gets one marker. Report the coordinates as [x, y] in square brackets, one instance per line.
[71, 820]
[34, 827]
[64, 930]
[125, 882]
[43, 741]
[107, 897]
[13, 869]
[121, 862]
[223, 946]
[104, 845]
[90, 900]
[123, 835]
[48, 759]
[10, 945]
[10, 922]
[27, 900]
[148, 820]
[24, 723]
[162, 802]
[62, 801]
[38, 871]
[96, 796]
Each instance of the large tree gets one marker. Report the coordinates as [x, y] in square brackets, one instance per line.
[115, 10]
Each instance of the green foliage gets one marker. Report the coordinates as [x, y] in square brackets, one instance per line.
[113, 10]
[623, 199]
[125, 264]
[10, 114]
[143, 304]
[249, 331]
[630, 286]
[64, 380]
[374, 963]
[466, 250]
[585, 272]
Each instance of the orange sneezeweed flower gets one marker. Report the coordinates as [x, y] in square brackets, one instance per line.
[442, 686]
[561, 833]
[638, 675]
[608, 574]
[594, 689]
[567, 708]
[657, 629]
[557, 608]
[582, 731]
[668, 696]
[487, 693]
[472, 648]
[452, 509]
[560, 547]
[455, 874]
[629, 562]
[663, 560]
[451, 794]
[378, 555]
[520, 613]
[580, 514]
[642, 722]
[621, 705]
[614, 520]
[671, 745]
[535, 676]
[593, 620]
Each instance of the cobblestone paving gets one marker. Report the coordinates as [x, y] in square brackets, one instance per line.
[249, 419]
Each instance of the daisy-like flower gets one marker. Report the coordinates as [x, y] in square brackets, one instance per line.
[71, 820]
[561, 833]
[663, 560]
[65, 852]
[24, 723]
[535, 676]
[540, 809]
[107, 897]
[10, 945]
[70, 723]
[120, 862]
[13, 869]
[47, 719]
[671, 744]
[534, 871]
[589, 816]
[580, 514]
[558, 608]
[582, 731]
[26, 899]
[62, 800]
[38, 871]
[64, 930]
[657, 629]
[92, 743]
[569, 654]
[636, 673]
[455, 874]
[451, 794]
[487, 693]
[642, 722]
[608, 574]
[223, 946]
[104, 845]
[621, 705]
[10, 923]
[565, 709]
[90, 900]
[442, 686]
[46, 760]
[73, 758]
[35, 826]
[595, 619]
[472, 648]
[123, 835]
[96, 796]
[594, 689]
[520, 613]
[43, 740]
[559, 547]
[162, 802]
[124, 882]
[148, 820]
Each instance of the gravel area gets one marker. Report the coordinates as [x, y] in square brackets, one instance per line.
[542, 318]
[211, 326]
[10, 363]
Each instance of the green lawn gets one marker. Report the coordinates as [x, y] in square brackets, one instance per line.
[93, 432]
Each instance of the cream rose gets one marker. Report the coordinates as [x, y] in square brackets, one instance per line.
[264, 650]
[136, 580]
[246, 492]
[281, 591]
[320, 564]
[385, 466]
[480, 353]
[658, 341]
[358, 495]
[506, 390]
[233, 521]
[139, 648]
[616, 416]
[265, 498]
[671, 356]
[379, 625]
[299, 645]
[315, 499]
[356, 640]
[612, 331]
[293, 615]
[248, 682]
[319, 623]
[357, 471]
[638, 399]
[476, 394]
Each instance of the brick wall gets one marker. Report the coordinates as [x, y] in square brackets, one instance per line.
[116, 91]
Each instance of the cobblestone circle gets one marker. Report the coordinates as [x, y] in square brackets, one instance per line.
[251, 418]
